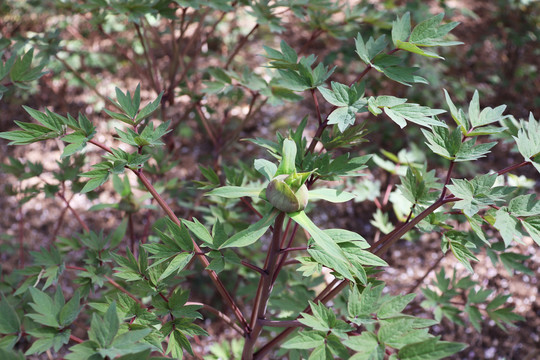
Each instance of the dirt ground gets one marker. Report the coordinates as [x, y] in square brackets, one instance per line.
[491, 60]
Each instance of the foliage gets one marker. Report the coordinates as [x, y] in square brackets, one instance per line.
[132, 291]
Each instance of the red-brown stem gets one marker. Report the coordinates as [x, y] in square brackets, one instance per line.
[220, 315]
[431, 268]
[239, 46]
[86, 82]
[378, 249]
[324, 124]
[314, 35]
[317, 108]
[447, 180]
[253, 267]
[71, 267]
[410, 213]
[100, 145]
[206, 125]
[215, 279]
[285, 323]
[264, 289]
[151, 66]
[513, 167]
[298, 248]
[122, 289]
[282, 260]
[74, 212]
[202, 258]
[248, 204]
[76, 339]
[59, 224]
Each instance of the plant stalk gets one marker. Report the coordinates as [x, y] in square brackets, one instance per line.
[263, 290]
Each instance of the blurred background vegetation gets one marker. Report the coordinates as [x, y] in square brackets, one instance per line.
[89, 50]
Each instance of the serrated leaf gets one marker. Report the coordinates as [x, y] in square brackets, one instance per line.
[394, 306]
[532, 225]
[401, 28]
[507, 225]
[9, 320]
[305, 340]
[325, 242]
[199, 230]
[253, 233]
[177, 264]
[528, 141]
[70, 310]
[431, 349]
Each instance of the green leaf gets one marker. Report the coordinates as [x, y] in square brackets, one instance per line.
[103, 330]
[253, 233]
[288, 157]
[21, 70]
[532, 225]
[528, 141]
[199, 230]
[429, 32]
[45, 307]
[507, 225]
[148, 109]
[366, 346]
[410, 47]
[524, 205]
[461, 252]
[332, 195]
[180, 235]
[266, 168]
[305, 340]
[176, 265]
[95, 181]
[9, 320]
[70, 310]
[367, 51]
[431, 349]
[394, 306]
[234, 192]
[475, 193]
[401, 28]
[514, 261]
[326, 243]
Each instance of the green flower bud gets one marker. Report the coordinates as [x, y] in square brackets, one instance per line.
[283, 197]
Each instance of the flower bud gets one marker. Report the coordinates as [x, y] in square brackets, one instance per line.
[283, 197]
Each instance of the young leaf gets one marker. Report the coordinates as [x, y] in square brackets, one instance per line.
[528, 141]
[253, 233]
[9, 320]
[432, 349]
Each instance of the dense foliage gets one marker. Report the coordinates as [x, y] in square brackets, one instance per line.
[247, 253]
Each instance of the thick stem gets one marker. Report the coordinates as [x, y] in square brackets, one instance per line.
[219, 314]
[378, 249]
[317, 107]
[202, 258]
[264, 289]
